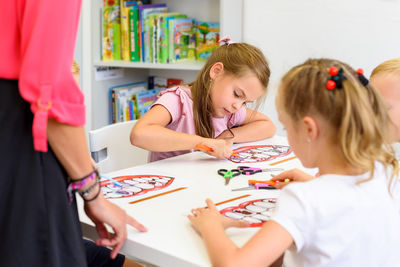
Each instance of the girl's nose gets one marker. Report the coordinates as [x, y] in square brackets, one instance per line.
[237, 105]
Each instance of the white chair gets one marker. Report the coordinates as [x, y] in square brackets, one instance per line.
[112, 150]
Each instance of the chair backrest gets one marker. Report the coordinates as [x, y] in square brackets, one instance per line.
[111, 148]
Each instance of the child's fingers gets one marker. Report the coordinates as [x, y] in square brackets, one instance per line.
[283, 175]
[281, 184]
[211, 205]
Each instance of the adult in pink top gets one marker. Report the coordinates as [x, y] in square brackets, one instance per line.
[178, 101]
[40, 104]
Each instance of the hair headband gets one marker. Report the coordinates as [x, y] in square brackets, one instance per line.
[225, 41]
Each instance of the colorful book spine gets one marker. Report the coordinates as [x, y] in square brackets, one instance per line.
[134, 34]
[163, 35]
[125, 47]
[144, 12]
[207, 37]
[182, 40]
[111, 41]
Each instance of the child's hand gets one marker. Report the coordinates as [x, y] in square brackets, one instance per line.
[294, 175]
[210, 217]
[221, 148]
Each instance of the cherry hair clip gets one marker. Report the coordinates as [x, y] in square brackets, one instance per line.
[336, 79]
[364, 81]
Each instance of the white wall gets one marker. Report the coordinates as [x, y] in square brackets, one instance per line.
[360, 33]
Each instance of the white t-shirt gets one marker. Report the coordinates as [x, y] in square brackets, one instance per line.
[335, 222]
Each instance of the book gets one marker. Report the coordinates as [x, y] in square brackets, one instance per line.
[174, 82]
[207, 37]
[144, 100]
[182, 40]
[111, 33]
[156, 82]
[144, 12]
[125, 7]
[134, 33]
[120, 97]
[163, 35]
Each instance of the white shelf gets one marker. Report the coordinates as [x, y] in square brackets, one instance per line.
[228, 12]
[140, 65]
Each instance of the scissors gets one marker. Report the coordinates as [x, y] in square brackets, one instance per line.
[251, 170]
[256, 186]
[228, 174]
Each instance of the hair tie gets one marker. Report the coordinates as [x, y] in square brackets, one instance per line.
[225, 41]
[336, 79]
[364, 81]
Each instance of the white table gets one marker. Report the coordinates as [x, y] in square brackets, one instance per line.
[171, 241]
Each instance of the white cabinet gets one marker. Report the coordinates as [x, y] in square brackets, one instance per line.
[227, 12]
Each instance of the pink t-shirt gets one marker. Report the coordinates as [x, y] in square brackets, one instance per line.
[178, 101]
[36, 48]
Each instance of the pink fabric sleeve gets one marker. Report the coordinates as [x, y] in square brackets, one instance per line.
[172, 102]
[47, 38]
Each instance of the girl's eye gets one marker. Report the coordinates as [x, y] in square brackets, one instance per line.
[235, 94]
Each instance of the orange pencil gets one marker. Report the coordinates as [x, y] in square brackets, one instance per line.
[167, 192]
[270, 182]
[207, 148]
[232, 199]
[204, 147]
[275, 163]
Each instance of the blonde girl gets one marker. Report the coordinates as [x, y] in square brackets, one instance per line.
[336, 122]
[211, 111]
[386, 78]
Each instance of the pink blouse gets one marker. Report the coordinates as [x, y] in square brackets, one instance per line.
[37, 46]
[178, 101]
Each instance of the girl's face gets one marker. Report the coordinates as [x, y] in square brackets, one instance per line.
[389, 87]
[229, 93]
[296, 135]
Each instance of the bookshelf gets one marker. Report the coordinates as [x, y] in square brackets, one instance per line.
[228, 12]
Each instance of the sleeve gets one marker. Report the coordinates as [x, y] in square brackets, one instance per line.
[292, 213]
[172, 102]
[238, 117]
[48, 35]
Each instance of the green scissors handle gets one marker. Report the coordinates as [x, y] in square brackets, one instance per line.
[228, 174]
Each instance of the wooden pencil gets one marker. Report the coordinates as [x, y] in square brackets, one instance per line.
[278, 162]
[232, 199]
[161, 194]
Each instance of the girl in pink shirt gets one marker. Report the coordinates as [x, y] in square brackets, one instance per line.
[211, 110]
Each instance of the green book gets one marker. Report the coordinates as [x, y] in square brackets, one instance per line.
[134, 34]
[111, 43]
[182, 40]
[163, 35]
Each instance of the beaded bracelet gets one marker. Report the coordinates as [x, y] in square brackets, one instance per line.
[87, 191]
[79, 183]
[95, 196]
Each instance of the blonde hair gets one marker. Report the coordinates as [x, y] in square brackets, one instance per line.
[391, 66]
[238, 59]
[356, 113]
[75, 71]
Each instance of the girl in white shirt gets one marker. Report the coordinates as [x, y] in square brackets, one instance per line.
[336, 122]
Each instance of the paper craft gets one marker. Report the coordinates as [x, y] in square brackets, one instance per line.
[134, 185]
[253, 154]
[256, 212]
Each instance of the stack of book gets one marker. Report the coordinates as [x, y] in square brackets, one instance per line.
[149, 33]
[130, 101]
